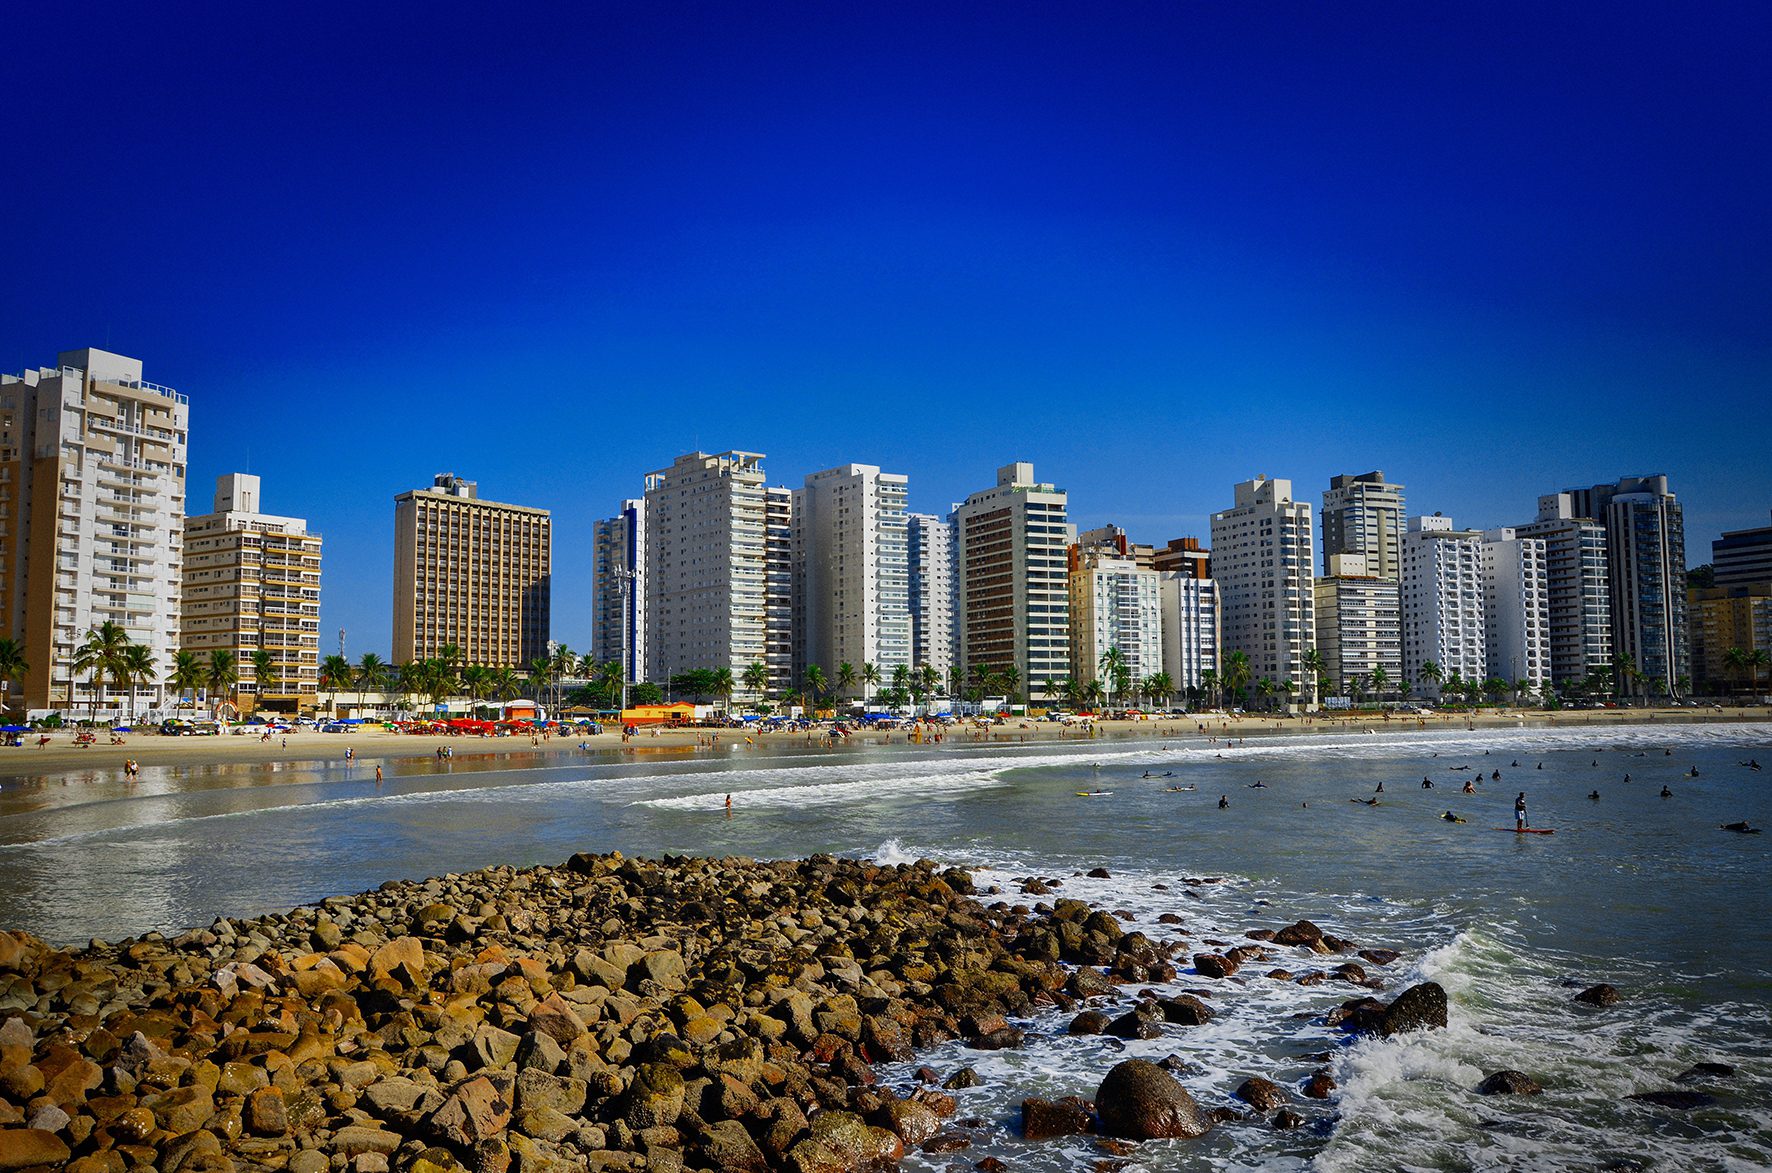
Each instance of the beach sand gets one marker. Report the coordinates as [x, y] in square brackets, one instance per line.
[61, 756]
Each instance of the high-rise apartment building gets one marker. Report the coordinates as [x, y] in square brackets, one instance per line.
[1114, 604]
[1364, 515]
[92, 507]
[930, 555]
[1359, 628]
[1112, 541]
[1189, 613]
[780, 586]
[850, 552]
[470, 574]
[1263, 552]
[1185, 557]
[1011, 542]
[1442, 595]
[1516, 608]
[1723, 618]
[1742, 557]
[1646, 571]
[706, 578]
[251, 585]
[1576, 578]
[618, 611]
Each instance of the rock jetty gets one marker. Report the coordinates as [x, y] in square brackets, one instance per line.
[607, 1014]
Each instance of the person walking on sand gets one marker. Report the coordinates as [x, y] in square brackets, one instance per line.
[1520, 820]
[378, 775]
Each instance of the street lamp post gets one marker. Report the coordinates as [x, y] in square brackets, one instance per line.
[626, 578]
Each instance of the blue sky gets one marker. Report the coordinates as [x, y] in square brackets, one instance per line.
[1154, 248]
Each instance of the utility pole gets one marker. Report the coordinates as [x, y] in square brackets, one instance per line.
[626, 577]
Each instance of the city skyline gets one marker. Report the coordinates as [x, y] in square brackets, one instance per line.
[1117, 246]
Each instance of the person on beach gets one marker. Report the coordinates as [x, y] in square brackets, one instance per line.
[1520, 821]
[378, 775]
[729, 806]
[350, 755]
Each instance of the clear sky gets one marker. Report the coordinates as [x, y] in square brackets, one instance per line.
[1155, 248]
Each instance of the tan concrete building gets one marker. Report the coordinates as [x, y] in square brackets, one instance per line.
[252, 584]
[92, 506]
[470, 573]
[1724, 618]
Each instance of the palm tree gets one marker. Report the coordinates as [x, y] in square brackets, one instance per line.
[1011, 678]
[1430, 673]
[264, 673]
[506, 684]
[1094, 695]
[756, 679]
[1112, 662]
[1264, 688]
[1209, 682]
[1735, 659]
[1757, 659]
[1312, 660]
[1624, 670]
[816, 683]
[222, 676]
[931, 678]
[186, 675]
[12, 666]
[724, 687]
[870, 680]
[372, 673]
[956, 682]
[477, 680]
[336, 674]
[1381, 680]
[101, 655]
[138, 669]
[1287, 687]
[845, 678]
[1236, 673]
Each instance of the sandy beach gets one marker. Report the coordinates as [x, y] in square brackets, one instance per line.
[62, 756]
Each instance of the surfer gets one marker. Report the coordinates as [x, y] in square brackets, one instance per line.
[1520, 822]
[1380, 789]
[1666, 793]
[1427, 783]
[1692, 773]
[1224, 802]
[1495, 777]
[1594, 795]
[729, 806]
[1541, 765]
[1451, 818]
[1516, 764]
[1741, 828]
[1751, 764]
[1258, 784]
[1365, 801]
[1468, 788]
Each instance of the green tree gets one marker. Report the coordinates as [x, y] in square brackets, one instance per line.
[186, 675]
[1236, 674]
[222, 676]
[756, 679]
[1430, 673]
[12, 666]
[477, 681]
[508, 686]
[870, 680]
[1011, 678]
[723, 686]
[1161, 687]
[264, 674]
[814, 681]
[137, 670]
[1209, 683]
[846, 678]
[336, 675]
[1314, 665]
[1381, 680]
[372, 673]
[1757, 659]
[101, 655]
[1112, 662]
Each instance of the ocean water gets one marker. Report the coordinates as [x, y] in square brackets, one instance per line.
[1643, 891]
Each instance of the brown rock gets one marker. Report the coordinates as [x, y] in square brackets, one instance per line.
[556, 1018]
[1263, 1094]
[1044, 1119]
[402, 959]
[474, 1112]
[266, 1113]
[23, 1148]
[1140, 1101]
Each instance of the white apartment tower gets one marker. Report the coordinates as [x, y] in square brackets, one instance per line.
[92, 508]
[1114, 603]
[618, 610]
[706, 567]
[1442, 602]
[1014, 610]
[779, 586]
[930, 554]
[252, 585]
[1516, 607]
[1364, 515]
[1189, 611]
[851, 555]
[1263, 553]
[1580, 597]
[1359, 627]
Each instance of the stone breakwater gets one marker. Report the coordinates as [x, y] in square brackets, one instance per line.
[610, 1014]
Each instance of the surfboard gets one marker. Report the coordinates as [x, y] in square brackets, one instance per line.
[1093, 793]
[1526, 830]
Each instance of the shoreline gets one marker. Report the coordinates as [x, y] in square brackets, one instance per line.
[381, 747]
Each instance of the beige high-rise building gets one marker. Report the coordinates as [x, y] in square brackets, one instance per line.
[471, 574]
[1014, 600]
[1263, 548]
[252, 584]
[92, 507]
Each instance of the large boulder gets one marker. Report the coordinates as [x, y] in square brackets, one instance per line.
[1043, 1119]
[24, 1148]
[1600, 995]
[1421, 1007]
[1140, 1101]
[1263, 1094]
[1509, 1083]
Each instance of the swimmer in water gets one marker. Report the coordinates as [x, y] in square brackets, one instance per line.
[1595, 795]
[1224, 801]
